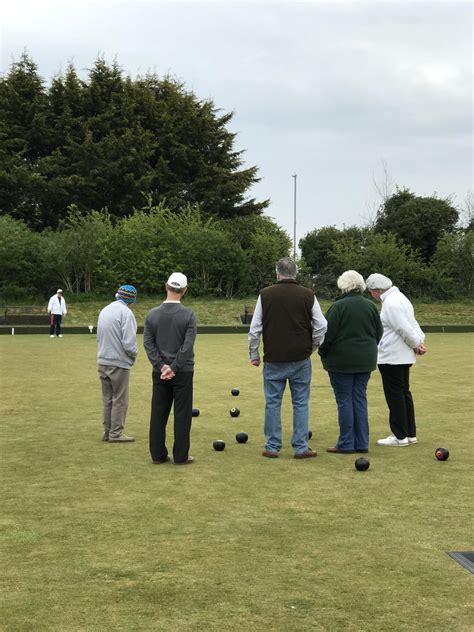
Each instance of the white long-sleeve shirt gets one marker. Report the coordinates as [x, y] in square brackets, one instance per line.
[401, 331]
[56, 306]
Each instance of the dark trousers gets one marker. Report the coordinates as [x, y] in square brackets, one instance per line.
[396, 386]
[55, 323]
[177, 391]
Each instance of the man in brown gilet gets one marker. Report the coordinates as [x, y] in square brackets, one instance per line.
[293, 326]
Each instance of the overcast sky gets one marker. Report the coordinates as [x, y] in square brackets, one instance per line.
[326, 90]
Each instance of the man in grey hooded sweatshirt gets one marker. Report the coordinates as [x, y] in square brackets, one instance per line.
[117, 352]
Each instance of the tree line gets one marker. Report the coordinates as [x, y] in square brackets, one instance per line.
[418, 242]
[90, 253]
[109, 179]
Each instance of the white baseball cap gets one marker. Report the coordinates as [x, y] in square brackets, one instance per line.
[178, 281]
[378, 281]
[59, 291]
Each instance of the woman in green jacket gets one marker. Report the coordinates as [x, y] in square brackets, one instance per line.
[349, 354]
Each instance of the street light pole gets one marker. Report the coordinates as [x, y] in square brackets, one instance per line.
[294, 216]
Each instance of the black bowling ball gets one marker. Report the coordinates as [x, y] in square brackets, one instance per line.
[241, 437]
[362, 464]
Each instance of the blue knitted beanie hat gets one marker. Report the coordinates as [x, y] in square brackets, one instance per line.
[127, 294]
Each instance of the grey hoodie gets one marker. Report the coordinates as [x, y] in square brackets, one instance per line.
[117, 336]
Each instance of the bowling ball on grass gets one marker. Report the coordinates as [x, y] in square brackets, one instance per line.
[241, 437]
[442, 454]
[362, 464]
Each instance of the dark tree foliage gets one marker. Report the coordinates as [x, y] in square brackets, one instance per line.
[317, 250]
[116, 143]
[419, 222]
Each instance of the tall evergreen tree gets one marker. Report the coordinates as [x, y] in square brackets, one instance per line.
[113, 142]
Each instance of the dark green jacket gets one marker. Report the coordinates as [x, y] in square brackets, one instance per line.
[354, 330]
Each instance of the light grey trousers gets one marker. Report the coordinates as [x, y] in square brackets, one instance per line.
[114, 381]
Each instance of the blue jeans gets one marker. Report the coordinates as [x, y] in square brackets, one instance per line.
[275, 375]
[350, 390]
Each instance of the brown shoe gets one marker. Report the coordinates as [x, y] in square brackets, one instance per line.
[335, 450]
[309, 454]
[165, 460]
[188, 461]
[270, 454]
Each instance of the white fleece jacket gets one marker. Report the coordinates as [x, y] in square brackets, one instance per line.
[56, 307]
[401, 331]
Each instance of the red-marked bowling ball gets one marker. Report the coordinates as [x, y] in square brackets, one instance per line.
[442, 454]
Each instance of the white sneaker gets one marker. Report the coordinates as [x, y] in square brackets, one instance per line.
[60, 336]
[393, 441]
[412, 440]
[51, 336]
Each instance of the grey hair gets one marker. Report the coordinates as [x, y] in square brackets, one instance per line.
[351, 281]
[287, 268]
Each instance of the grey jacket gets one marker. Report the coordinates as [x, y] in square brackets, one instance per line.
[168, 337]
[117, 336]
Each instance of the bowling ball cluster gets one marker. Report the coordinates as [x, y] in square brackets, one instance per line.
[240, 437]
[361, 464]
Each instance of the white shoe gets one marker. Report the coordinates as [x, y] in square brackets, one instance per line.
[60, 336]
[393, 441]
[51, 336]
[412, 440]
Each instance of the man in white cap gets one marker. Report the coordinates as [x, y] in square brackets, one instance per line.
[57, 309]
[401, 342]
[168, 337]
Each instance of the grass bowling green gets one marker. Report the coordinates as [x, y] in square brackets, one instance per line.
[96, 538]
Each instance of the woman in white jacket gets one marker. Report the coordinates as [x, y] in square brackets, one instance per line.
[401, 342]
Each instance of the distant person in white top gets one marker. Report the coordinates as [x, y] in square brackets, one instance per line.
[401, 342]
[117, 352]
[57, 309]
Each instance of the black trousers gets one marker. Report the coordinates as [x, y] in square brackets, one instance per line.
[55, 323]
[177, 391]
[396, 386]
